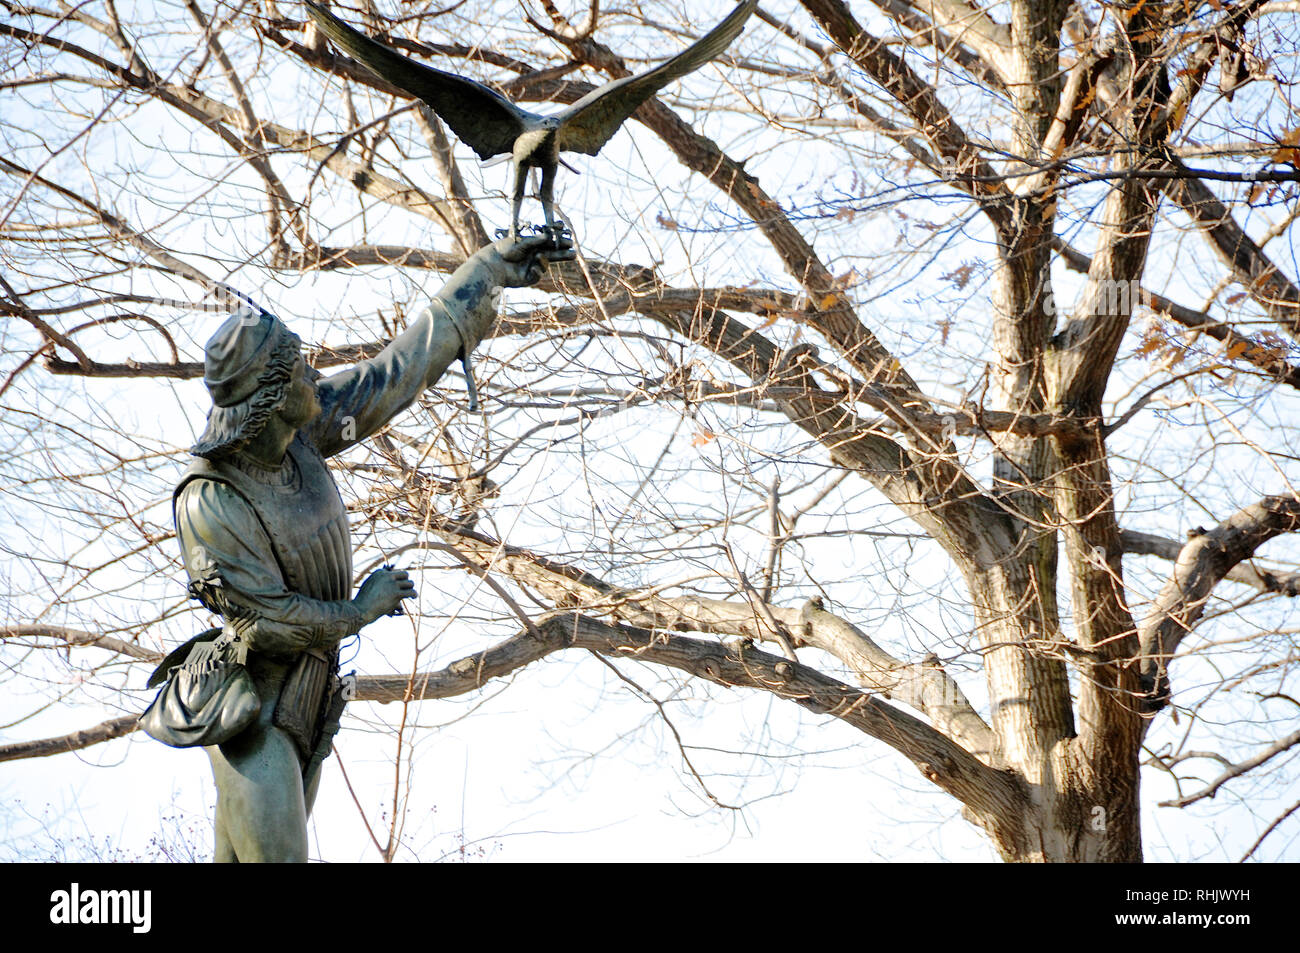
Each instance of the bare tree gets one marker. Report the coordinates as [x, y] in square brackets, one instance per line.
[977, 415]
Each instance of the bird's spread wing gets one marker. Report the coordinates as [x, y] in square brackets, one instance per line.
[590, 122]
[484, 119]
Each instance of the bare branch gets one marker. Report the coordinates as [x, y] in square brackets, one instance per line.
[117, 226]
[969, 170]
[1270, 288]
[78, 637]
[924, 686]
[1202, 562]
[77, 740]
[1237, 770]
[1238, 346]
[1245, 572]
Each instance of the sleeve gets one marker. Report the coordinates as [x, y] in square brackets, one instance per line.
[233, 572]
[359, 401]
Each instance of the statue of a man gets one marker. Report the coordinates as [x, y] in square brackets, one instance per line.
[264, 534]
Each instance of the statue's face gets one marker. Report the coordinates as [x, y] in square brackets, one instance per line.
[302, 405]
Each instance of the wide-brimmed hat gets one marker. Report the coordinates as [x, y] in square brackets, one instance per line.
[247, 366]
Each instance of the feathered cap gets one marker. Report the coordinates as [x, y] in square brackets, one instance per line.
[247, 366]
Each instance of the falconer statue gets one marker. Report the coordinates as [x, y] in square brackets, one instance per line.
[264, 538]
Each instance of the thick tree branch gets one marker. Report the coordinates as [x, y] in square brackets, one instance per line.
[924, 686]
[1236, 345]
[1079, 365]
[990, 795]
[44, 747]
[967, 22]
[961, 32]
[968, 168]
[1245, 572]
[994, 798]
[78, 637]
[1267, 285]
[1202, 563]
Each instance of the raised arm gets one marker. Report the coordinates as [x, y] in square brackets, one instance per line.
[359, 401]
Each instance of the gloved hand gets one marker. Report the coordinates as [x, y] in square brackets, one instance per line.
[522, 262]
[382, 593]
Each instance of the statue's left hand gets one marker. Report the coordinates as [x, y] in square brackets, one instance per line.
[522, 262]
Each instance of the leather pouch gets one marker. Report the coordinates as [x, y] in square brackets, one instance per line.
[208, 699]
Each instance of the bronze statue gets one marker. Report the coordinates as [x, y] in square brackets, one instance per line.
[264, 537]
[492, 125]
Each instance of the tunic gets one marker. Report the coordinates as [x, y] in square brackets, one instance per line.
[267, 548]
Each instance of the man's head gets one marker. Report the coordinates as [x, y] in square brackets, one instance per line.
[253, 368]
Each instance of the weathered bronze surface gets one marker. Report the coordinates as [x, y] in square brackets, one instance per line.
[264, 533]
[492, 125]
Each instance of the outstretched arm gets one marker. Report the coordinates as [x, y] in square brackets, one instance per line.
[359, 401]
